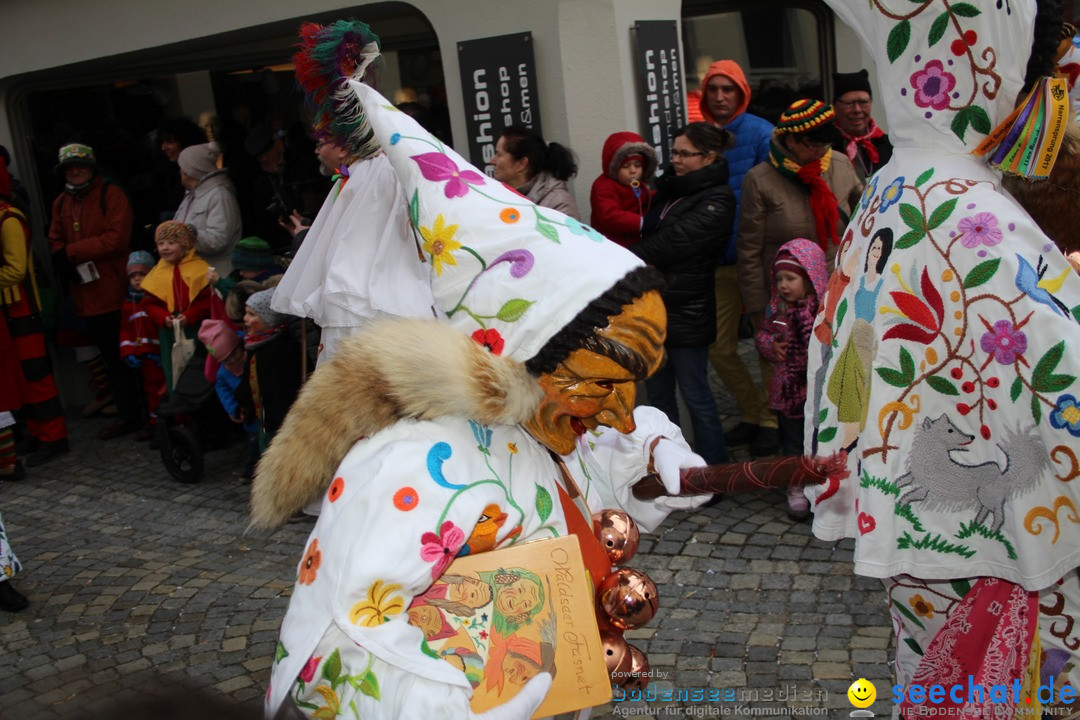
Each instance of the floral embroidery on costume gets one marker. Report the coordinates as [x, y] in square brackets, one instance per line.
[442, 548]
[406, 499]
[944, 358]
[491, 339]
[9, 563]
[327, 678]
[336, 488]
[382, 603]
[309, 566]
[438, 167]
[972, 75]
[439, 243]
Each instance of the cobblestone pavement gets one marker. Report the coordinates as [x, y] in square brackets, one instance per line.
[135, 579]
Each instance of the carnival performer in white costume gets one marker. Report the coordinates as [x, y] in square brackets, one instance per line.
[959, 371]
[456, 420]
[359, 259]
[519, 396]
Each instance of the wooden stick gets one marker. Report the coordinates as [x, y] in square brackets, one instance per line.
[752, 476]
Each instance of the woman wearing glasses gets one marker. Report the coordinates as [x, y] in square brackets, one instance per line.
[684, 235]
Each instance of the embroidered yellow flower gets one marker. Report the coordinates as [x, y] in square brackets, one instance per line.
[921, 607]
[439, 243]
[512, 447]
[333, 705]
[382, 602]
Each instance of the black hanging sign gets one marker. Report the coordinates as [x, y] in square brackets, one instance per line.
[498, 82]
[661, 84]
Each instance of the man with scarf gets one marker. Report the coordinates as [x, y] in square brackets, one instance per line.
[805, 189]
[864, 143]
[89, 238]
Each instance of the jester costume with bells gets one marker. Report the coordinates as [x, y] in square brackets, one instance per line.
[944, 360]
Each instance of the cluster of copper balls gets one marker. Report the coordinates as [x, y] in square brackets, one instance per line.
[626, 599]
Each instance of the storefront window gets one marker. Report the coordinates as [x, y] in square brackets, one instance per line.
[782, 47]
[228, 85]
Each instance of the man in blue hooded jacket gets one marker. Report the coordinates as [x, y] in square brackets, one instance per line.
[725, 95]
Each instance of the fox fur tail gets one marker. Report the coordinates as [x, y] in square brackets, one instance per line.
[399, 368]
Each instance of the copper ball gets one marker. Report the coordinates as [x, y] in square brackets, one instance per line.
[639, 671]
[628, 598]
[616, 655]
[617, 533]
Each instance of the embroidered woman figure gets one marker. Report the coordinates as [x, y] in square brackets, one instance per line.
[849, 384]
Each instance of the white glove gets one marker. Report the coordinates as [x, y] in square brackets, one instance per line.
[669, 458]
[521, 706]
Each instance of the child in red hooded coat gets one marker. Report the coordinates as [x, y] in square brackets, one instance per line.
[621, 196]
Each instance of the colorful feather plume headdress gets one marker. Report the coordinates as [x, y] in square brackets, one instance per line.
[329, 56]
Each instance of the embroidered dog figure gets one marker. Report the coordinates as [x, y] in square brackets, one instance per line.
[939, 482]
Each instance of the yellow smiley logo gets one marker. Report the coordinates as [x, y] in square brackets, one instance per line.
[862, 693]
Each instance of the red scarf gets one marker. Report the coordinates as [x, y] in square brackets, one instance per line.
[854, 142]
[822, 201]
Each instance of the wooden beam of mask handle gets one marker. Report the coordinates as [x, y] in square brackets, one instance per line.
[750, 476]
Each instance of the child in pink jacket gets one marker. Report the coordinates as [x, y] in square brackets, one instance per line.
[798, 281]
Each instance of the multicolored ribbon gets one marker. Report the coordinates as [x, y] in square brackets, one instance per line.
[1029, 139]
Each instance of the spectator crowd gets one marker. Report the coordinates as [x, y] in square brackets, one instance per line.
[718, 223]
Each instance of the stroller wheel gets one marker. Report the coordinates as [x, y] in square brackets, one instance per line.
[182, 454]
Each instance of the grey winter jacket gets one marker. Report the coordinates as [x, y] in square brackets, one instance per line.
[211, 208]
[547, 191]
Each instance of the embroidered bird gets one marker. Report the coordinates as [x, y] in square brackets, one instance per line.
[1030, 281]
[483, 535]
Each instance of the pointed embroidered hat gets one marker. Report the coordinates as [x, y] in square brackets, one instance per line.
[506, 271]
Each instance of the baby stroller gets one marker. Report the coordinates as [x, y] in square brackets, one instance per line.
[191, 421]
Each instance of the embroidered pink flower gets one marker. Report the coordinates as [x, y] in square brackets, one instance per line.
[441, 549]
[1004, 341]
[933, 85]
[307, 673]
[979, 229]
[491, 339]
[437, 167]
